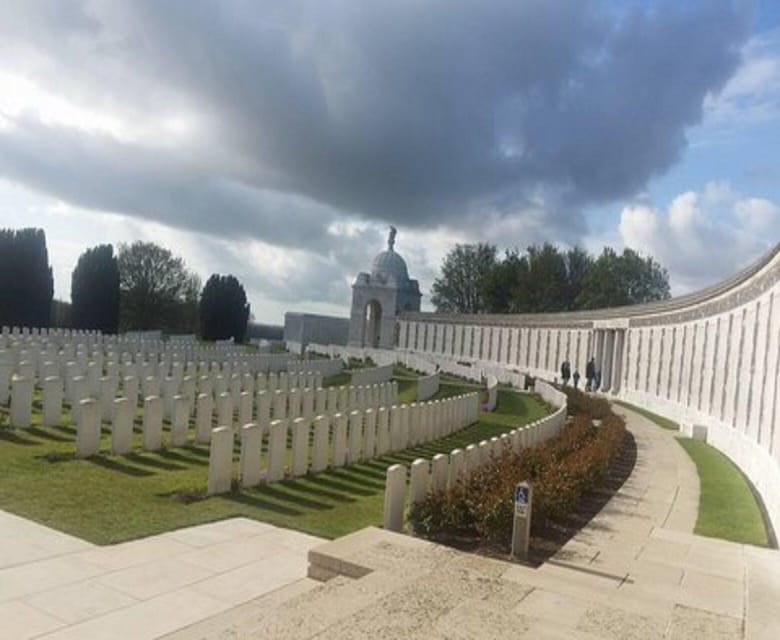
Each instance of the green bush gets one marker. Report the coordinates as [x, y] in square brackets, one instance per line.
[561, 471]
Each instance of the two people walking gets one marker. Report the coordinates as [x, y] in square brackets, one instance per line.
[592, 375]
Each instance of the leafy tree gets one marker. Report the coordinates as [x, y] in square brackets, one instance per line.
[545, 279]
[461, 286]
[547, 285]
[578, 261]
[94, 290]
[156, 289]
[615, 280]
[505, 285]
[26, 280]
[224, 311]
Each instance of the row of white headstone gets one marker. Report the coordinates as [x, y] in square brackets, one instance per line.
[40, 363]
[444, 471]
[336, 441]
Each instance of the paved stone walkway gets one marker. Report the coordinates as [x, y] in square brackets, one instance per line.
[56, 586]
[636, 571]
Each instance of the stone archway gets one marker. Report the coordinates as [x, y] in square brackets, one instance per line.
[372, 324]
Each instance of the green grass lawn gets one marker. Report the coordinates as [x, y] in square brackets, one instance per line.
[727, 506]
[108, 499]
[654, 417]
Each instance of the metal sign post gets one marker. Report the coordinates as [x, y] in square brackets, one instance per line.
[521, 530]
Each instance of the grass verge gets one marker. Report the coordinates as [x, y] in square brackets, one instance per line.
[107, 499]
[727, 506]
[665, 423]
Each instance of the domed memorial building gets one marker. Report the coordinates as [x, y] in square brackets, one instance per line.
[378, 297]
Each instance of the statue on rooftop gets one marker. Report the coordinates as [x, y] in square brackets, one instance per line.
[391, 238]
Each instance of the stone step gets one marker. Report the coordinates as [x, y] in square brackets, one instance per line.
[223, 625]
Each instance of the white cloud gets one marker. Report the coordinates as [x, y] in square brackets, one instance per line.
[704, 236]
[752, 95]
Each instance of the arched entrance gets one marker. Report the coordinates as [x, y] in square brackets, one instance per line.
[372, 323]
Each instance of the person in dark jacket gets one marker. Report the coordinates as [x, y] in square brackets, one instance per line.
[576, 378]
[565, 372]
[590, 373]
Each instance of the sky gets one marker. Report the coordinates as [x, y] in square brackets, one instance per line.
[278, 141]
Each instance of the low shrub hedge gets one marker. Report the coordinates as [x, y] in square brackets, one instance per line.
[561, 471]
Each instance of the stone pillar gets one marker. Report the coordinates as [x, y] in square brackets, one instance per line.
[107, 395]
[220, 461]
[280, 405]
[251, 447]
[21, 402]
[235, 388]
[395, 429]
[244, 408]
[382, 431]
[88, 430]
[457, 467]
[294, 401]
[395, 498]
[617, 360]
[277, 450]
[122, 427]
[355, 439]
[307, 405]
[320, 401]
[152, 423]
[130, 389]
[333, 400]
[151, 386]
[484, 452]
[300, 446]
[225, 410]
[319, 460]
[180, 420]
[339, 457]
[52, 401]
[419, 481]
[6, 371]
[78, 387]
[204, 414]
[440, 468]
[404, 433]
[264, 409]
[606, 370]
[472, 460]
[369, 434]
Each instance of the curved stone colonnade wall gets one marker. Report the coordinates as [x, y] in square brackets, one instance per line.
[708, 359]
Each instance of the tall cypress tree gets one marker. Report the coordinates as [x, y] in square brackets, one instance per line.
[26, 279]
[94, 290]
[224, 311]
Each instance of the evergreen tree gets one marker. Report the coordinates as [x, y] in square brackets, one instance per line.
[94, 290]
[224, 311]
[26, 279]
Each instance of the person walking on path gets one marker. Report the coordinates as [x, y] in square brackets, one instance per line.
[576, 378]
[590, 373]
[565, 372]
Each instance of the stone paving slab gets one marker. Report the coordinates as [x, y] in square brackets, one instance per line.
[56, 586]
[635, 571]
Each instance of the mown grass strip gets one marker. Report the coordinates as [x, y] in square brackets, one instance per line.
[107, 499]
[727, 506]
[665, 423]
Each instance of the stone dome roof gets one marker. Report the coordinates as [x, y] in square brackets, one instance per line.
[389, 263]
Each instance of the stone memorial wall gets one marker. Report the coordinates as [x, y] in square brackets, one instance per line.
[710, 360]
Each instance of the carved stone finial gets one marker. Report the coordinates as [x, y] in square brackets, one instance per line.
[391, 238]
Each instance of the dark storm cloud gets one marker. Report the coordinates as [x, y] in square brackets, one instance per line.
[423, 113]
